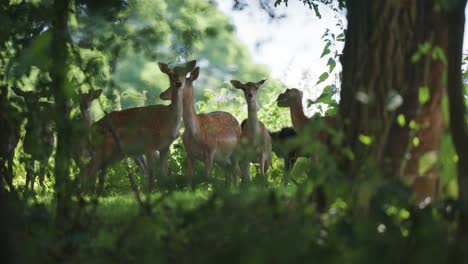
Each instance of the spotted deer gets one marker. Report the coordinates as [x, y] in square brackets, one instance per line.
[10, 128]
[210, 137]
[139, 131]
[255, 141]
[39, 140]
[82, 148]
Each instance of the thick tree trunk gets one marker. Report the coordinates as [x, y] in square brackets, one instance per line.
[429, 118]
[378, 71]
[458, 125]
[60, 89]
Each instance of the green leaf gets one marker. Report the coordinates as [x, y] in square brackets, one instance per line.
[423, 95]
[401, 120]
[322, 77]
[427, 162]
[326, 50]
[332, 64]
[340, 37]
[366, 140]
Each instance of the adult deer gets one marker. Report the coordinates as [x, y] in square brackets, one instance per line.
[39, 140]
[292, 98]
[210, 137]
[255, 142]
[10, 127]
[83, 147]
[140, 130]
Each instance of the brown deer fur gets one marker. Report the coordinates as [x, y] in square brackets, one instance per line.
[210, 137]
[292, 98]
[141, 130]
[255, 142]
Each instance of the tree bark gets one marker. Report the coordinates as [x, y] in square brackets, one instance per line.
[458, 127]
[378, 71]
[58, 73]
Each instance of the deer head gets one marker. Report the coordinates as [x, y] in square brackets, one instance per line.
[31, 98]
[177, 77]
[250, 89]
[85, 99]
[289, 97]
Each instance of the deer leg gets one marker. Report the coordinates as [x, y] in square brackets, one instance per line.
[102, 179]
[227, 168]
[287, 168]
[190, 169]
[209, 165]
[42, 172]
[263, 163]
[151, 162]
[163, 158]
[30, 174]
[234, 169]
[3, 171]
[9, 170]
[244, 167]
[141, 164]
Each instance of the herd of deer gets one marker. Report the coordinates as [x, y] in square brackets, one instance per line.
[150, 131]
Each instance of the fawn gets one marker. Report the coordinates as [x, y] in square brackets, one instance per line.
[281, 143]
[255, 141]
[210, 137]
[83, 146]
[140, 130]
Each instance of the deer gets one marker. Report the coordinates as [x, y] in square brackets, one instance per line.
[10, 128]
[208, 137]
[139, 131]
[82, 147]
[39, 140]
[281, 143]
[292, 98]
[255, 142]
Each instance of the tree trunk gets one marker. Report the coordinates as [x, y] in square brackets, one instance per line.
[62, 110]
[458, 127]
[379, 71]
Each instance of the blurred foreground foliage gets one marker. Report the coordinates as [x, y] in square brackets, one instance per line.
[115, 45]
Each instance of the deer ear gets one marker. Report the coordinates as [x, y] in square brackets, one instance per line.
[97, 93]
[190, 65]
[194, 74]
[237, 84]
[260, 83]
[163, 67]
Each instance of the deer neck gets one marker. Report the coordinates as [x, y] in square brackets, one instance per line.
[86, 116]
[176, 105]
[189, 114]
[298, 118]
[252, 118]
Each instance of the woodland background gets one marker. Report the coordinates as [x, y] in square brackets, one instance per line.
[395, 175]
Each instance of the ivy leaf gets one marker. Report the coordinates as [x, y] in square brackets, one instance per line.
[326, 50]
[322, 77]
[332, 64]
